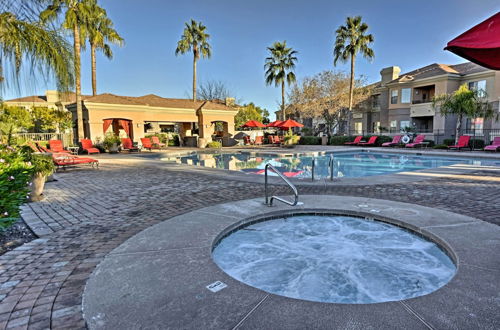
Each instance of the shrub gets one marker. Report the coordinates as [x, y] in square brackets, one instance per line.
[383, 139]
[476, 143]
[214, 144]
[449, 142]
[310, 140]
[440, 146]
[290, 138]
[431, 143]
[110, 139]
[174, 141]
[340, 140]
[16, 172]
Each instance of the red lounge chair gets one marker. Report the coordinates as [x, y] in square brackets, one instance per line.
[371, 142]
[88, 146]
[463, 142]
[40, 148]
[64, 160]
[417, 142]
[495, 146]
[56, 146]
[128, 145]
[156, 141]
[356, 140]
[395, 141]
[246, 140]
[146, 143]
[259, 140]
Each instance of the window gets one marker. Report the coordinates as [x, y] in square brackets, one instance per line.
[394, 96]
[394, 125]
[476, 124]
[403, 124]
[375, 101]
[479, 85]
[358, 127]
[405, 95]
[376, 127]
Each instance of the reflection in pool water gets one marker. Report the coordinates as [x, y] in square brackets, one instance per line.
[346, 164]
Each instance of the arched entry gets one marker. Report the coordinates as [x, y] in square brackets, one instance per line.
[117, 124]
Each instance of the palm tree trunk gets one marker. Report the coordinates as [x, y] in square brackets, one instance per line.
[351, 93]
[458, 127]
[194, 78]
[93, 62]
[78, 91]
[283, 115]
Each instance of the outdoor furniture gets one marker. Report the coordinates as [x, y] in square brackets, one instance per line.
[56, 146]
[146, 143]
[495, 146]
[40, 148]
[247, 140]
[128, 145]
[259, 140]
[74, 150]
[356, 140]
[395, 141]
[65, 160]
[371, 142]
[463, 142]
[156, 140]
[417, 142]
[88, 146]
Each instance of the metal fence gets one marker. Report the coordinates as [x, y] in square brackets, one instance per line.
[66, 138]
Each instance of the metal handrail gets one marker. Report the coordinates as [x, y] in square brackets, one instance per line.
[269, 201]
[330, 166]
[313, 167]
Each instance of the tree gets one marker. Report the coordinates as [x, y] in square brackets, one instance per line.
[100, 33]
[195, 39]
[213, 90]
[250, 112]
[326, 95]
[13, 120]
[352, 39]
[279, 68]
[464, 103]
[51, 120]
[76, 14]
[26, 40]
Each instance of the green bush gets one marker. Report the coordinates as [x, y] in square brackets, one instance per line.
[110, 139]
[174, 141]
[383, 139]
[440, 146]
[214, 144]
[310, 140]
[340, 140]
[16, 172]
[476, 143]
[431, 143]
[449, 142]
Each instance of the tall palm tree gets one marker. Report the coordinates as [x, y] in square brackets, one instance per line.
[195, 39]
[279, 68]
[76, 14]
[464, 103]
[43, 47]
[352, 39]
[100, 32]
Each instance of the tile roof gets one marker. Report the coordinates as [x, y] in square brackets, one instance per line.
[32, 99]
[437, 69]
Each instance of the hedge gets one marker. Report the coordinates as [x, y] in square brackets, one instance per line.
[340, 140]
[310, 140]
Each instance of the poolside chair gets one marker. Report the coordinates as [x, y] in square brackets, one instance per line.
[495, 146]
[259, 140]
[146, 143]
[356, 140]
[88, 146]
[371, 142]
[156, 140]
[128, 145]
[463, 142]
[65, 160]
[56, 146]
[417, 142]
[396, 140]
[40, 148]
[247, 140]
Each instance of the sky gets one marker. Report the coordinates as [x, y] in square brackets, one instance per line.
[409, 34]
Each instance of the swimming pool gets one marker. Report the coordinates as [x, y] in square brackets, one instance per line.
[346, 164]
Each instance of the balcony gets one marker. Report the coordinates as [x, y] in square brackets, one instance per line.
[422, 110]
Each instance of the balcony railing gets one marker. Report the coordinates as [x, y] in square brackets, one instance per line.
[422, 110]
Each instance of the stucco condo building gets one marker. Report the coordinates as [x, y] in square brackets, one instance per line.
[137, 116]
[405, 100]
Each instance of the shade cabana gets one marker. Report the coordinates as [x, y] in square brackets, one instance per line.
[480, 44]
[253, 124]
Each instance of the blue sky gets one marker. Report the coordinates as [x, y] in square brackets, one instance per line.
[409, 34]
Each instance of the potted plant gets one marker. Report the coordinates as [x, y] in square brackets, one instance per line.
[43, 167]
[290, 139]
[111, 142]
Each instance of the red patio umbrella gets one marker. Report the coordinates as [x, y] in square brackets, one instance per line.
[275, 123]
[253, 123]
[480, 44]
[289, 123]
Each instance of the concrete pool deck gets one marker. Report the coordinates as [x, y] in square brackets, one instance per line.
[158, 278]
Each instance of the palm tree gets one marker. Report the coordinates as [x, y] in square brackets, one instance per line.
[76, 14]
[44, 48]
[279, 68]
[352, 39]
[100, 32]
[195, 39]
[464, 103]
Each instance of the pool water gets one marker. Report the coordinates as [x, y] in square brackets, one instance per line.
[346, 164]
[334, 259]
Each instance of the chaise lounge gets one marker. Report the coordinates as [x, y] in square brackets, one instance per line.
[463, 142]
[65, 160]
[396, 140]
[128, 145]
[371, 142]
[494, 146]
[56, 146]
[417, 142]
[356, 140]
[88, 146]
[147, 144]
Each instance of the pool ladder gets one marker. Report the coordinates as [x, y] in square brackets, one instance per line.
[269, 200]
[330, 167]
